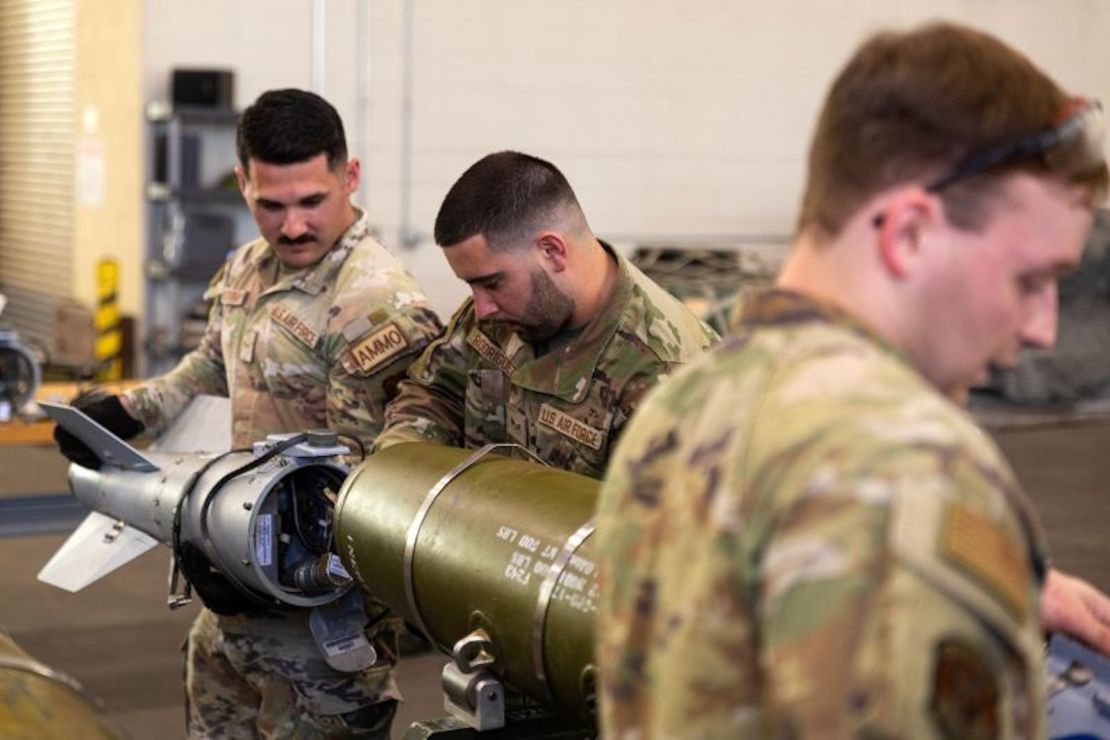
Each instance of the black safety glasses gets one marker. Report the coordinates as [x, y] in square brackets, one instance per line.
[1076, 137]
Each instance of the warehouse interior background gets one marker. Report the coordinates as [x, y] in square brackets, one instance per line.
[677, 123]
[681, 125]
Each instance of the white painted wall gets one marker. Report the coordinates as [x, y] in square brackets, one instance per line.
[674, 121]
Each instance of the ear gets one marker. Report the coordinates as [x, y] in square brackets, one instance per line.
[552, 250]
[353, 175]
[241, 176]
[908, 216]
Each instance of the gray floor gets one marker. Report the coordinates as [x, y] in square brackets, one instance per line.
[120, 640]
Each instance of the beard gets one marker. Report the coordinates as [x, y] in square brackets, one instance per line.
[547, 313]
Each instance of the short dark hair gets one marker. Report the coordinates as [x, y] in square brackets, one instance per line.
[505, 197]
[911, 105]
[290, 126]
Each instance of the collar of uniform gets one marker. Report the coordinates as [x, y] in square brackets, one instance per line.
[314, 279]
[779, 307]
[566, 373]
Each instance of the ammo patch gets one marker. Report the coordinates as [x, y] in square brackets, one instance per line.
[974, 543]
[385, 343]
[489, 351]
[965, 693]
[566, 424]
[296, 327]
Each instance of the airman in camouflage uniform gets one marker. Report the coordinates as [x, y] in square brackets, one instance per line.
[794, 535]
[293, 350]
[312, 326]
[801, 534]
[480, 383]
[305, 349]
[498, 375]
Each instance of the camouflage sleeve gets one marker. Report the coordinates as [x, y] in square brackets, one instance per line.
[647, 370]
[670, 338]
[157, 402]
[900, 606]
[360, 385]
[430, 402]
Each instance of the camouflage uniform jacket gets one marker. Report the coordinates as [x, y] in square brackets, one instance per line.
[480, 383]
[799, 536]
[319, 347]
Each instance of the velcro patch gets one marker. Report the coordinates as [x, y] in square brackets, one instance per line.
[973, 542]
[489, 351]
[385, 343]
[296, 327]
[566, 424]
[356, 328]
[965, 693]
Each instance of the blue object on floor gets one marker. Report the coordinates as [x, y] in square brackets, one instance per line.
[1078, 691]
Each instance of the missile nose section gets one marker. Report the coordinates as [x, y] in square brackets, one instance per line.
[463, 543]
[262, 518]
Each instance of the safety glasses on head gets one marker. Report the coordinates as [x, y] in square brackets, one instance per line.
[1071, 142]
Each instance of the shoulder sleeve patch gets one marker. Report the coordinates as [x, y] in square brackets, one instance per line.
[972, 542]
[966, 693]
[964, 553]
[382, 344]
[357, 328]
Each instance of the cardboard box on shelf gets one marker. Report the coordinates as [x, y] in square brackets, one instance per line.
[74, 335]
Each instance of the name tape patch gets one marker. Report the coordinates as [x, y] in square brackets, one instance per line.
[385, 343]
[296, 327]
[566, 424]
[233, 297]
[489, 351]
[975, 543]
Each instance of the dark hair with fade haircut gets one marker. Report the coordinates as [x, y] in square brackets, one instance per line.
[290, 126]
[505, 197]
[911, 105]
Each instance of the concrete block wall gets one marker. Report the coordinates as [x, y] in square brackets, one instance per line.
[675, 122]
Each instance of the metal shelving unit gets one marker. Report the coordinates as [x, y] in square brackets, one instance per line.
[195, 217]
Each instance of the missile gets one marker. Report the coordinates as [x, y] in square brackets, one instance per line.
[262, 517]
[488, 556]
[38, 701]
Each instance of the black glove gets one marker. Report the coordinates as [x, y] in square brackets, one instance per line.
[110, 414]
[214, 589]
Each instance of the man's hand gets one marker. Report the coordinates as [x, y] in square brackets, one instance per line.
[1072, 606]
[110, 414]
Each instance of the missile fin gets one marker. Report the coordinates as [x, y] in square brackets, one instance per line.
[98, 546]
[109, 448]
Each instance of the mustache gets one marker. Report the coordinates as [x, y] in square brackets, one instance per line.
[303, 239]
